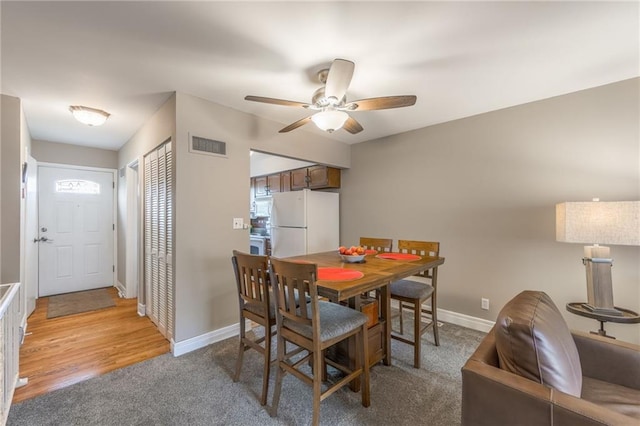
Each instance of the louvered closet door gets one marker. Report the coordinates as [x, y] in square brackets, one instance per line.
[158, 237]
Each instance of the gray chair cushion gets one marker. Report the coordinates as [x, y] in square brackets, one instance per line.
[257, 308]
[335, 320]
[411, 289]
[533, 341]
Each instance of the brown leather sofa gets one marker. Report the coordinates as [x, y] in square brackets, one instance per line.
[531, 370]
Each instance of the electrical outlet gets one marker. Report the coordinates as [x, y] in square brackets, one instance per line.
[485, 304]
[238, 223]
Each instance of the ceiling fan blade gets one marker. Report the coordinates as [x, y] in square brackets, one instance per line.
[295, 125]
[386, 102]
[275, 101]
[352, 126]
[338, 79]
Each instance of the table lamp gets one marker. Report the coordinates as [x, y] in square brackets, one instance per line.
[597, 222]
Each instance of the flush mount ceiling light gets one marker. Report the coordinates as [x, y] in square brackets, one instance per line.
[89, 116]
[330, 120]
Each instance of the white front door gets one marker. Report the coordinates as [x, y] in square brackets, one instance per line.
[76, 229]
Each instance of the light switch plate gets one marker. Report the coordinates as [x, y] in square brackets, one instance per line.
[238, 223]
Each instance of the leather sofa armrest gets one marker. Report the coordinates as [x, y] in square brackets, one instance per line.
[609, 360]
[491, 396]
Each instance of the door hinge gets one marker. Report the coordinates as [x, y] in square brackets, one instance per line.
[113, 226]
[113, 185]
[113, 268]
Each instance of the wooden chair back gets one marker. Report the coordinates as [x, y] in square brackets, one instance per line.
[254, 301]
[252, 279]
[293, 282]
[421, 248]
[379, 244]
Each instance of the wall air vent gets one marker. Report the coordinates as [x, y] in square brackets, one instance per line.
[201, 145]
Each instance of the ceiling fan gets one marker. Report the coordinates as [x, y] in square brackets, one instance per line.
[331, 104]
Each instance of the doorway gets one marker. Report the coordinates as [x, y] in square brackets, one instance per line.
[76, 229]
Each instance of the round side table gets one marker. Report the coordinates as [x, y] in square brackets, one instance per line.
[627, 317]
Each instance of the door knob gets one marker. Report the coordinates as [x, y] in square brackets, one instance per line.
[43, 239]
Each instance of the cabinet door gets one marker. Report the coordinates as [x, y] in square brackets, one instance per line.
[285, 181]
[252, 189]
[261, 186]
[323, 177]
[273, 183]
[298, 179]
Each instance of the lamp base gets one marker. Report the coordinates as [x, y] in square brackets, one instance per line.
[602, 311]
[598, 263]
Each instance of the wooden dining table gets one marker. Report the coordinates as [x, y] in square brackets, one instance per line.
[377, 274]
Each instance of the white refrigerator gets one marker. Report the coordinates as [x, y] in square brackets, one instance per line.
[304, 222]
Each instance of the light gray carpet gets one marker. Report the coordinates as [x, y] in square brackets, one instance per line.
[197, 389]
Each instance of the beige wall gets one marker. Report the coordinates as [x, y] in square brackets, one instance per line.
[486, 188]
[210, 191]
[159, 128]
[62, 153]
[10, 225]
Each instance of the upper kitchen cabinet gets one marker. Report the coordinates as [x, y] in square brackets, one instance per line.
[260, 187]
[274, 183]
[264, 186]
[285, 181]
[315, 177]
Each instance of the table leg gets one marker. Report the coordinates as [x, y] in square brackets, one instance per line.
[385, 301]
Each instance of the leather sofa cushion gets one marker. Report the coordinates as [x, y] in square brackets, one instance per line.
[533, 341]
[618, 398]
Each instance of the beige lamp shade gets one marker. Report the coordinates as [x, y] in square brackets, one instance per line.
[599, 222]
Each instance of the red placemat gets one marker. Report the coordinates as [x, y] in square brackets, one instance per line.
[370, 252]
[338, 274]
[399, 256]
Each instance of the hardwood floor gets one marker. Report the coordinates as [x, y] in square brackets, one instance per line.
[59, 352]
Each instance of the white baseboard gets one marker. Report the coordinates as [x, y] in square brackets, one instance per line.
[121, 289]
[142, 309]
[466, 321]
[189, 345]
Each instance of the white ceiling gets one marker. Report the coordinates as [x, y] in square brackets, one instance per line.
[460, 59]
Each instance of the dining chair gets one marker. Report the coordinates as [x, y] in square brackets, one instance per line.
[255, 304]
[412, 294]
[378, 244]
[381, 245]
[312, 328]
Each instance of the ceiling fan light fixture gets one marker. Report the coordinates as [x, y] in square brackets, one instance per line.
[331, 120]
[89, 116]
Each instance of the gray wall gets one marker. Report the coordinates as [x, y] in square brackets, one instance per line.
[486, 188]
[62, 153]
[209, 192]
[159, 128]
[10, 186]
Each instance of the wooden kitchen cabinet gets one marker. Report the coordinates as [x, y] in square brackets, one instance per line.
[323, 177]
[315, 177]
[273, 183]
[260, 186]
[285, 181]
[266, 185]
[298, 179]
